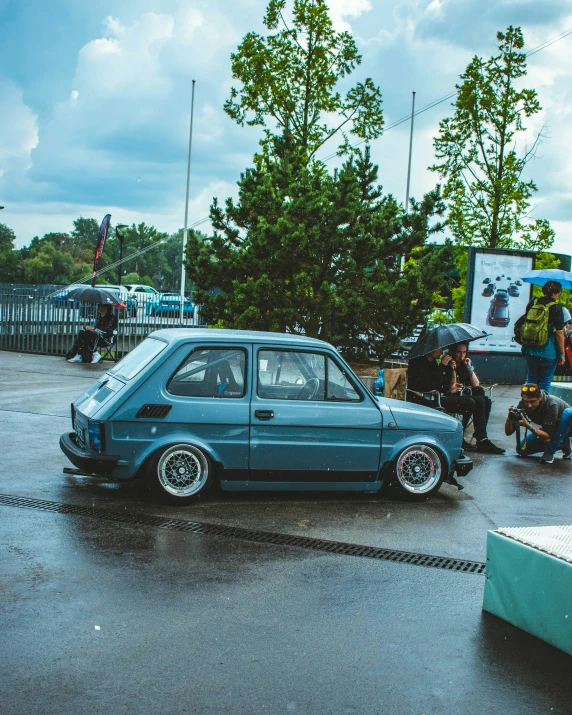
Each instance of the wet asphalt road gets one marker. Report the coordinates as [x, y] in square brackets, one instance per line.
[195, 624]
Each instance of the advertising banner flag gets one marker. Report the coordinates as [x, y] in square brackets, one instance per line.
[103, 229]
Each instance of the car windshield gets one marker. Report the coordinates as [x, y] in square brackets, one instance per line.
[138, 358]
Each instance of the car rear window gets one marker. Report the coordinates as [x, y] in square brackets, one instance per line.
[138, 358]
[211, 372]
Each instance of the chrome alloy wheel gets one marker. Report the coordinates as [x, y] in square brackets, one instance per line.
[418, 469]
[183, 470]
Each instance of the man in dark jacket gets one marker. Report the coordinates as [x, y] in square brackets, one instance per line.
[84, 346]
[425, 375]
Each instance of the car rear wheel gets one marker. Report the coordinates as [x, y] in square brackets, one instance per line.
[418, 472]
[179, 474]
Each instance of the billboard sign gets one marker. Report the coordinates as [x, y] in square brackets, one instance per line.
[497, 296]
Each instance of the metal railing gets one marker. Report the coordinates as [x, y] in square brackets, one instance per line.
[32, 323]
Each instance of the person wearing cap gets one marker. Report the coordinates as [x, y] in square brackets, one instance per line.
[541, 362]
[548, 411]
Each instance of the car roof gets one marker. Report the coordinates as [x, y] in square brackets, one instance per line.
[174, 335]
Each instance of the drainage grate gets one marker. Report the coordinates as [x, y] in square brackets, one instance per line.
[261, 537]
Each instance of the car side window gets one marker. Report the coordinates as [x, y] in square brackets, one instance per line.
[211, 372]
[291, 375]
[338, 387]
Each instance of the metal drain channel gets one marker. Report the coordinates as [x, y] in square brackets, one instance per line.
[260, 537]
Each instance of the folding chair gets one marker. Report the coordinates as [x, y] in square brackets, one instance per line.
[105, 344]
[434, 394]
[469, 389]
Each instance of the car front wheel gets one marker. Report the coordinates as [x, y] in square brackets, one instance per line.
[179, 474]
[418, 472]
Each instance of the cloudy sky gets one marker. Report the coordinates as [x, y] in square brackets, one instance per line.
[95, 100]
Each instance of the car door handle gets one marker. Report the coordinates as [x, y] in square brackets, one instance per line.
[264, 414]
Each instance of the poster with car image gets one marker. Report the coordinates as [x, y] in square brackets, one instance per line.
[499, 297]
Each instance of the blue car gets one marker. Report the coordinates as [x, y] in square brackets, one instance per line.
[255, 411]
[168, 304]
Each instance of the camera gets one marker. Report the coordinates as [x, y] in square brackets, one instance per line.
[516, 414]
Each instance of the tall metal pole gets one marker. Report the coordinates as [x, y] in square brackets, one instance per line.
[185, 229]
[410, 152]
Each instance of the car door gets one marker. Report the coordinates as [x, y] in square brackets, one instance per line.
[309, 421]
[209, 395]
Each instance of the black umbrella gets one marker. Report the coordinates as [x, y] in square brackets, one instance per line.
[444, 335]
[87, 294]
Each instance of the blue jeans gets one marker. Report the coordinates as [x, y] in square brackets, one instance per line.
[533, 445]
[540, 371]
[563, 430]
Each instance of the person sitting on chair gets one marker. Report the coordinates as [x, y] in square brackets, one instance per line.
[425, 375]
[85, 343]
[466, 376]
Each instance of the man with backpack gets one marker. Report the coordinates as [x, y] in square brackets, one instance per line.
[539, 332]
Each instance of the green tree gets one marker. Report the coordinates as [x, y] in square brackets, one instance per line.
[289, 80]
[47, 263]
[85, 231]
[10, 263]
[308, 252]
[478, 156]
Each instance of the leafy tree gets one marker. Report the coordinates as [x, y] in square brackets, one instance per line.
[86, 231]
[549, 260]
[136, 238]
[46, 263]
[289, 80]
[479, 158]
[308, 252]
[10, 264]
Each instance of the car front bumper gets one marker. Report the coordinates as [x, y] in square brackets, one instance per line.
[101, 464]
[462, 466]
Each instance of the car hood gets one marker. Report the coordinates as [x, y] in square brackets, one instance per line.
[409, 416]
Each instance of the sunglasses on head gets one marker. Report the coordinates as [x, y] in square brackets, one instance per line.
[530, 388]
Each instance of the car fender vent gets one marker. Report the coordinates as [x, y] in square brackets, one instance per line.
[155, 411]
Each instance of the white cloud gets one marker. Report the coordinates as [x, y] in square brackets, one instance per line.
[19, 135]
[342, 9]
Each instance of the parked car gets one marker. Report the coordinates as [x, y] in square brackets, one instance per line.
[499, 313]
[142, 293]
[169, 304]
[255, 411]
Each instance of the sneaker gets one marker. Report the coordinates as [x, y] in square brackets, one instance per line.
[566, 449]
[488, 447]
[95, 358]
[547, 457]
[76, 358]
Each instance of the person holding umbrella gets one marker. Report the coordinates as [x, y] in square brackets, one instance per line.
[83, 349]
[426, 375]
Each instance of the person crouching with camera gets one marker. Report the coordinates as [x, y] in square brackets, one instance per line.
[538, 407]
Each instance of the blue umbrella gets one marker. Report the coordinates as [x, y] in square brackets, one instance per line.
[539, 278]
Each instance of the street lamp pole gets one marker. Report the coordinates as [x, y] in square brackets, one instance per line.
[410, 152]
[185, 229]
[120, 237]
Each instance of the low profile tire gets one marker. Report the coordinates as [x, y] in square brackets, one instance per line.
[418, 472]
[179, 474]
